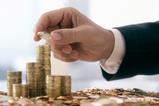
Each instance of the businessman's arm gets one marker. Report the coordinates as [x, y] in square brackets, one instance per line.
[141, 55]
[79, 38]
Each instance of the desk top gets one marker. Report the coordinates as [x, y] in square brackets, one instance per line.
[90, 97]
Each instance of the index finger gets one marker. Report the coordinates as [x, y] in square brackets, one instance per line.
[48, 19]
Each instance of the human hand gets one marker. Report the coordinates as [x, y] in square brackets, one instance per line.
[74, 36]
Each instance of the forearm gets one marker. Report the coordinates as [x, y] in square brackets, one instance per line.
[142, 48]
[141, 55]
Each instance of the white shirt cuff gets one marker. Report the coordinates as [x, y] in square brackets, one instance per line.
[112, 64]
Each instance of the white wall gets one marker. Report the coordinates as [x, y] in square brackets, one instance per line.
[111, 13]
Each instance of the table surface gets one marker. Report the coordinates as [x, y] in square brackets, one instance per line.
[103, 84]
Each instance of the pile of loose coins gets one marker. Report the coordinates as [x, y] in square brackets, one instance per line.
[88, 97]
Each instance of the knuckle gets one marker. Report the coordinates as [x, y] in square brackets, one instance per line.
[43, 16]
[71, 9]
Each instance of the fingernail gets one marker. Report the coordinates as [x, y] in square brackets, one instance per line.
[67, 50]
[56, 36]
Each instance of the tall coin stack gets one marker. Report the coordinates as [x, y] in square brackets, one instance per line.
[43, 58]
[13, 77]
[55, 85]
[35, 79]
[43, 54]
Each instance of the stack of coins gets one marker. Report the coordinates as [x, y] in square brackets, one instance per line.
[20, 90]
[13, 77]
[66, 86]
[47, 61]
[25, 91]
[53, 84]
[17, 90]
[58, 85]
[35, 79]
[43, 57]
[65, 80]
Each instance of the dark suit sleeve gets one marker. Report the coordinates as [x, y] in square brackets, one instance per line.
[142, 51]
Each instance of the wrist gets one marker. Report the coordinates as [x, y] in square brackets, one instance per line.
[110, 43]
[112, 64]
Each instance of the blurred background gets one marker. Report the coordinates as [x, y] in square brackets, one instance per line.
[17, 21]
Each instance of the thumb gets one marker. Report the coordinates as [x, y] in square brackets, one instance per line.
[64, 36]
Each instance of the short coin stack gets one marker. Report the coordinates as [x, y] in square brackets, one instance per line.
[66, 85]
[58, 85]
[13, 77]
[35, 79]
[53, 86]
[20, 90]
[25, 90]
[17, 89]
